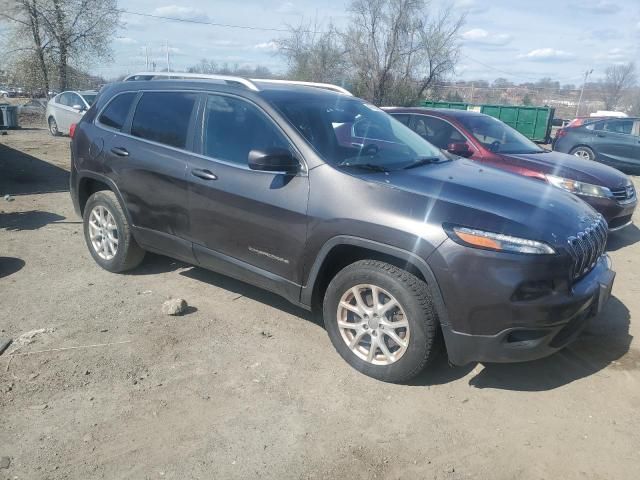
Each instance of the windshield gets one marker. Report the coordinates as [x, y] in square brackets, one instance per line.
[89, 98]
[498, 136]
[349, 132]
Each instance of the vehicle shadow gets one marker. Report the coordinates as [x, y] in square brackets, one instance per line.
[23, 174]
[10, 265]
[623, 238]
[605, 342]
[30, 220]
[254, 293]
[154, 263]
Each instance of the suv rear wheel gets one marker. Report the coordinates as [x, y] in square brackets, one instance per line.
[108, 235]
[380, 319]
[584, 152]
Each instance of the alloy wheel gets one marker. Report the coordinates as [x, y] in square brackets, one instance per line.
[103, 232]
[373, 324]
[581, 153]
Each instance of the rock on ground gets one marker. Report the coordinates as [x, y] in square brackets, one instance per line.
[174, 306]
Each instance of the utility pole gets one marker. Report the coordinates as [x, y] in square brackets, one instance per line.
[473, 85]
[168, 63]
[586, 75]
[146, 57]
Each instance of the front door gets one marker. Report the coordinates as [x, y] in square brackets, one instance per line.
[242, 220]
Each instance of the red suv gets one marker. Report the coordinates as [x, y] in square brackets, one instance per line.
[488, 140]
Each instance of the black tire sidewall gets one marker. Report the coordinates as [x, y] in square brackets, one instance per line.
[57, 132]
[419, 342]
[118, 261]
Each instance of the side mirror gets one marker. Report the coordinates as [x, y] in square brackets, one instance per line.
[79, 108]
[273, 160]
[461, 149]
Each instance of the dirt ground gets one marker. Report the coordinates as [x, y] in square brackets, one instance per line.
[248, 386]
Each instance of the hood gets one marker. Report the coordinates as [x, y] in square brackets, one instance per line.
[570, 166]
[464, 193]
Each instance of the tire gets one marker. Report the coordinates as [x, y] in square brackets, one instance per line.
[583, 152]
[53, 127]
[414, 307]
[126, 254]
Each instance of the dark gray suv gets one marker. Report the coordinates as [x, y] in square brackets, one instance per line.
[392, 240]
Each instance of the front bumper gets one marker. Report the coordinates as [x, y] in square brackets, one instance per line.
[488, 323]
[617, 214]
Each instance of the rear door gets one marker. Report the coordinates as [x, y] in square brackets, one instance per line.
[63, 112]
[245, 221]
[148, 159]
[614, 141]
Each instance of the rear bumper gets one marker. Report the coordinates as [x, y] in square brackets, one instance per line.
[495, 326]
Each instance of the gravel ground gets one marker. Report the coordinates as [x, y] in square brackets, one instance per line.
[247, 386]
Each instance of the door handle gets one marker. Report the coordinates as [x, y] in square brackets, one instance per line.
[119, 151]
[204, 174]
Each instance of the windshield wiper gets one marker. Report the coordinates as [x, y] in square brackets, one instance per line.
[368, 166]
[422, 161]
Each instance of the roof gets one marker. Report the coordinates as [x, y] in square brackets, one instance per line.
[450, 112]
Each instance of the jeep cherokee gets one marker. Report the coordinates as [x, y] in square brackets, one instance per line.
[390, 239]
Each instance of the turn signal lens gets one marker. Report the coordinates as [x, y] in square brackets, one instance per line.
[72, 130]
[500, 242]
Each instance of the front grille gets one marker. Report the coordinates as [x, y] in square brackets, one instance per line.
[587, 246]
[624, 194]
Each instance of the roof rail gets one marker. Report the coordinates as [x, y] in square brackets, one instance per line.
[326, 86]
[249, 83]
[168, 75]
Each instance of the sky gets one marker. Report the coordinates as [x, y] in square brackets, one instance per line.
[514, 39]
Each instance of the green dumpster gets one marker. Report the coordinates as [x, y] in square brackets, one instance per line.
[533, 122]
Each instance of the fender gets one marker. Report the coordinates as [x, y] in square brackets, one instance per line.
[104, 179]
[421, 264]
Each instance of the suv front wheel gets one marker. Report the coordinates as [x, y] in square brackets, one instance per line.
[380, 319]
[108, 234]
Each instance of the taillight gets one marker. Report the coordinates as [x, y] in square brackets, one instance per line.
[72, 130]
[561, 133]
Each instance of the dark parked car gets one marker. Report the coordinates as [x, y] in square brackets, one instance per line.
[247, 177]
[492, 142]
[614, 141]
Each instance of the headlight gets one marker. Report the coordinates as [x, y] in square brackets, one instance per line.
[579, 188]
[498, 241]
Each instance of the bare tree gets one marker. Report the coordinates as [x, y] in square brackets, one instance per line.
[618, 79]
[312, 54]
[82, 30]
[24, 16]
[64, 31]
[398, 50]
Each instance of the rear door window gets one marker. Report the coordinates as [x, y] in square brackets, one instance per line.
[65, 99]
[619, 126]
[116, 112]
[436, 131]
[234, 127]
[164, 117]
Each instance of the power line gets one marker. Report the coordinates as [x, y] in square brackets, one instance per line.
[214, 24]
[284, 30]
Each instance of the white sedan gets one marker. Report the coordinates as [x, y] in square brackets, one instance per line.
[67, 108]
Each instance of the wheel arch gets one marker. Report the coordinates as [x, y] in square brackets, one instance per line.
[341, 251]
[90, 183]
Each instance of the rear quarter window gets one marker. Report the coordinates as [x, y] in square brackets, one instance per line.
[164, 117]
[117, 110]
